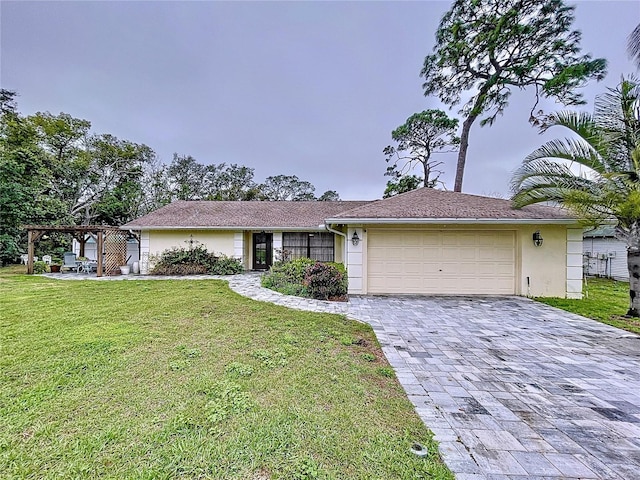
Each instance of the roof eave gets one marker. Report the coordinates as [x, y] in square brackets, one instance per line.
[223, 228]
[459, 221]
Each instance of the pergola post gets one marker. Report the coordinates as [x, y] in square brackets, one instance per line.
[99, 246]
[30, 250]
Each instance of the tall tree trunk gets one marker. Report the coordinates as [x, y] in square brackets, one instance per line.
[633, 263]
[462, 153]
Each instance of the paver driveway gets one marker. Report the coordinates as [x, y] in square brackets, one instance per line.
[513, 388]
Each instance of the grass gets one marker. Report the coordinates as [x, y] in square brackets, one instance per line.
[604, 300]
[186, 379]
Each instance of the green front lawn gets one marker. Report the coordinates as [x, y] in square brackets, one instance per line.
[186, 379]
[604, 300]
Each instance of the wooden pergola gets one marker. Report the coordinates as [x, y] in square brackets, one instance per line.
[79, 232]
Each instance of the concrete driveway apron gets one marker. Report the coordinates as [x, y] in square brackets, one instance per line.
[513, 388]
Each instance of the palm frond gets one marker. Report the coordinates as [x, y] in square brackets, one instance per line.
[633, 46]
[580, 123]
[574, 150]
[607, 143]
[545, 180]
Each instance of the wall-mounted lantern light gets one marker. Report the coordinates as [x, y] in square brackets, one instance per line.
[355, 239]
[537, 238]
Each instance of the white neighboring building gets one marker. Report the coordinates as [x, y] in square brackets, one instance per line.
[90, 249]
[604, 254]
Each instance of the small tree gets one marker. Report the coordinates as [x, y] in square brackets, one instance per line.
[488, 47]
[287, 187]
[329, 196]
[400, 183]
[423, 134]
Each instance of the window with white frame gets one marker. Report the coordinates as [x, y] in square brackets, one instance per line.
[314, 245]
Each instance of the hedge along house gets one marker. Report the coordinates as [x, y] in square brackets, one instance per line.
[444, 243]
[422, 242]
[256, 233]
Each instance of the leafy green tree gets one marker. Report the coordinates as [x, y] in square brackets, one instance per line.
[61, 135]
[88, 178]
[64, 140]
[187, 178]
[8, 102]
[232, 182]
[422, 135]
[400, 183]
[119, 204]
[190, 180]
[114, 170]
[21, 161]
[485, 48]
[329, 196]
[595, 172]
[287, 187]
[155, 191]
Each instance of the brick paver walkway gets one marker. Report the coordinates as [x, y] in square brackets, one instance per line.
[512, 389]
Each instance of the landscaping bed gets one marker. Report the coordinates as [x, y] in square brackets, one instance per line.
[308, 278]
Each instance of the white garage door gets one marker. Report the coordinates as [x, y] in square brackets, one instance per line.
[441, 262]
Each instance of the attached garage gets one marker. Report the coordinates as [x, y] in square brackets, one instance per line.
[434, 242]
[442, 262]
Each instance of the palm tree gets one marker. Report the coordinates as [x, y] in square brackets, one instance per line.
[596, 172]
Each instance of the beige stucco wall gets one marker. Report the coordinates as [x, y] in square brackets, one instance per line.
[549, 268]
[236, 244]
[248, 251]
[215, 241]
[544, 266]
[338, 250]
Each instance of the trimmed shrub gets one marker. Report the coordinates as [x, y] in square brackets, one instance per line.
[226, 266]
[292, 271]
[39, 267]
[324, 281]
[304, 277]
[280, 282]
[195, 260]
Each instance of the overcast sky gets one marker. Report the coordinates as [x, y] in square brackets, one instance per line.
[311, 89]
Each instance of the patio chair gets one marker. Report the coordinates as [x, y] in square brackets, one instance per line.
[69, 262]
[88, 266]
[24, 258]
[46, 259]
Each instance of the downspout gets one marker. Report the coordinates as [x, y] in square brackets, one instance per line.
[342, 234]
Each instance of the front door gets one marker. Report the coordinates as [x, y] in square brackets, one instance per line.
[262, 250]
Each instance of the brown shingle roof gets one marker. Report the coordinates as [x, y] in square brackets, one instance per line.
[428, 203]
[253, 215]
[422, 204]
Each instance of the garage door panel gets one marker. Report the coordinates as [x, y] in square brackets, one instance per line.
[503, 270]
[394, 269]
[414, 270]
[441, 262]
[410, 254]
[458, 253]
